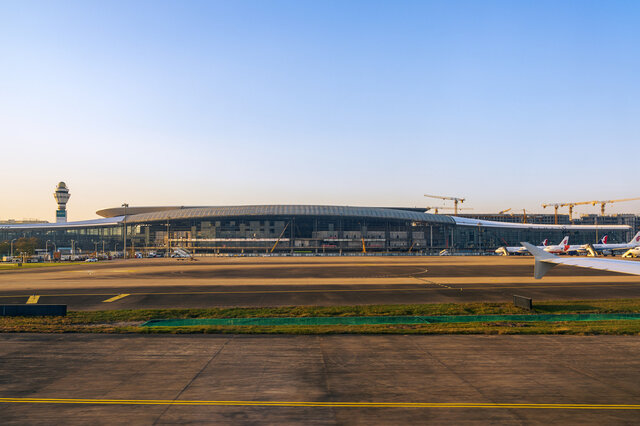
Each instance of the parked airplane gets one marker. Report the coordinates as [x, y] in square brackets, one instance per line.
[546, 261]
[610, 249]
[576, 249]
[563, 247]
[508, 250]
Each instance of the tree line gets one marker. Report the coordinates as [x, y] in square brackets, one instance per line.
[20, 245]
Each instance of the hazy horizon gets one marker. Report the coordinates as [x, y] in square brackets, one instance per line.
[509, 104]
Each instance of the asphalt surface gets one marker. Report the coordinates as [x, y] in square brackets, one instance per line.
[159, 379]
[179, 297]
[221, 282]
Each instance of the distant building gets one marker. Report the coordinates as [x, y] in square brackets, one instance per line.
[313, 229]
[21, 221]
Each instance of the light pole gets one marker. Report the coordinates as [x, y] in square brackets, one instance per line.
[168, 241]
[124, 253]
[12, 247]
[73, 247]
[95, 245]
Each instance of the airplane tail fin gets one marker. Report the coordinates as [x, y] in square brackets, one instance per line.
[635, 240]
[565, 241]
[605, 239]
[545, 242]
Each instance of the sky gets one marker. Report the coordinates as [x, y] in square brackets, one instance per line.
[507, 103]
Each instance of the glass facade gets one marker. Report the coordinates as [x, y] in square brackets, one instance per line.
[298, 234]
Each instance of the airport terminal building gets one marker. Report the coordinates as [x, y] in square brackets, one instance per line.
[312, 229]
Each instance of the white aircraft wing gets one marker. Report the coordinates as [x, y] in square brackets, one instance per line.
[546, 261]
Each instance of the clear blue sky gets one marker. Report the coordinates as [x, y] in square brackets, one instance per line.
[508, 103]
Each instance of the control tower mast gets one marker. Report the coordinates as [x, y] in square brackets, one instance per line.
[61, 195]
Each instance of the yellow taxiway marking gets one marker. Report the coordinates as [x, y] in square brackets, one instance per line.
[114, 298]
[83, 271]
[476, 286]
[320, 404]
[33, 299]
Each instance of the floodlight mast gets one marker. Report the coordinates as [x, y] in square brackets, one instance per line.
[124, 234]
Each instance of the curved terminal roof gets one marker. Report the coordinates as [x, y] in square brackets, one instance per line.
[347, 211]
[156, 214]
[289, 210]
[120, 211]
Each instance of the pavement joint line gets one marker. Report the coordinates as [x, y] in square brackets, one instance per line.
[424, 280]
[114, 298]
[336, 404]
[33, 299]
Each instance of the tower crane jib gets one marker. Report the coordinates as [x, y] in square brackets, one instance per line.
[455, 200]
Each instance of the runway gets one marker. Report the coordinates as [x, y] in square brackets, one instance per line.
[155, 379]
[220, 282]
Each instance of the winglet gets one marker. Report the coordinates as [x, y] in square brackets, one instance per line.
[543, 260]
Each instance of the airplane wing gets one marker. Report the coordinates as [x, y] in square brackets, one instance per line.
[546, 261]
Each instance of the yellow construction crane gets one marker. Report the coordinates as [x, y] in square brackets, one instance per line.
[555, 206]
[604, 203]
[435, 209]
[280, 237]
[455, 200]
[582, 203]
[558, 205]
[504, 211]
[572, 205]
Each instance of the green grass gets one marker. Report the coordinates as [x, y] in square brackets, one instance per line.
[128, 321]
[14, 266]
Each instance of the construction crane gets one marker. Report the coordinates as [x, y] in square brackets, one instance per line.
[455, 200]
[582, 203]
[280, 237]
[572, 205]
[604, 203]
[435, 209]
[524, 214]
[555, 206]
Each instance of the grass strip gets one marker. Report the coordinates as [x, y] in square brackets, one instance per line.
[129, 321]
[387, 320]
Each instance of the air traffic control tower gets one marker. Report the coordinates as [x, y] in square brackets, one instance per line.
[61, 195]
